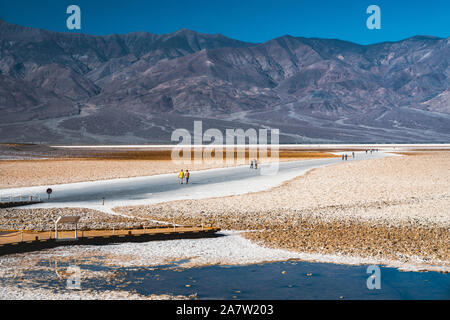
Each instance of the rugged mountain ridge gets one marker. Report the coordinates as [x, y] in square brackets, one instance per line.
[139, 87]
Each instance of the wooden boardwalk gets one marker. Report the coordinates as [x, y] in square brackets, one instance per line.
[20, 200]
[17, 204]
[24, 241]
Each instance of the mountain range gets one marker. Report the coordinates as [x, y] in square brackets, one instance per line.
[139, 87]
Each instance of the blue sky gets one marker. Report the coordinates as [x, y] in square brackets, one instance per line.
[248, 20]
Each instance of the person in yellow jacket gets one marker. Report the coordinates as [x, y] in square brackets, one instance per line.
[181, 176]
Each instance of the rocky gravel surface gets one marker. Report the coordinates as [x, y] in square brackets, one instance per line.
[44, 219]
[20, 293]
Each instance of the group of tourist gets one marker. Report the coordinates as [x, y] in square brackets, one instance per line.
[254, 164]
[345, 156]
[184, 175]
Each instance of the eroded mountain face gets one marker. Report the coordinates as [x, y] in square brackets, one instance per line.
[139, 87]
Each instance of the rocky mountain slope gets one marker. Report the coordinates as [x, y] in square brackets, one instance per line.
[139, 87]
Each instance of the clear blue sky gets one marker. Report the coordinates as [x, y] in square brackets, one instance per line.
[248, 20]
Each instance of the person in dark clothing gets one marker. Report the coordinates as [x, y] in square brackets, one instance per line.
[186, 175]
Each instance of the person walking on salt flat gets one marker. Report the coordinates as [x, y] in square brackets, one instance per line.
[181, 176]
[186, 175]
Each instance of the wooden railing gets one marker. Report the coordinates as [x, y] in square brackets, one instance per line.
[20, 198]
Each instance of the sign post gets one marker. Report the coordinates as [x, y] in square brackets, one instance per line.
[49, 192]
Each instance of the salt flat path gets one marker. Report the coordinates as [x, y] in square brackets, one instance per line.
[166, 187]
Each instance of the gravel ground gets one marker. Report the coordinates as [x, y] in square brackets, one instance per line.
[44, 219]
[392, 208]
[20, 293]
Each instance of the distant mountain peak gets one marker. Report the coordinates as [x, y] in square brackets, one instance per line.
[185, 31]
[424, 37]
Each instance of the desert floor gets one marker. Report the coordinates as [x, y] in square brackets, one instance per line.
[394, 209]
[391, 209]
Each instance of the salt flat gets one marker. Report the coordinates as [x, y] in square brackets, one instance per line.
[216, 182]
[395, 208]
